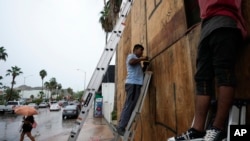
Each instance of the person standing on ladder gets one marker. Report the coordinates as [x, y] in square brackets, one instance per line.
[134, 81]
[222, 33]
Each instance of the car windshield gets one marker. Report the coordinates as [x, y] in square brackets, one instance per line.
[12, 103]
[70, 107]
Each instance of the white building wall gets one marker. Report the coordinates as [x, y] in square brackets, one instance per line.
[28, 93]
[108, 93]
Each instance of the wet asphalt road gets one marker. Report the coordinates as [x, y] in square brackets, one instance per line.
[50, 124]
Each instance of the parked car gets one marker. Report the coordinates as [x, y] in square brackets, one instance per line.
[43, 105]
[55, 107]
[70, 111]
[11, 105]
[53, 102]
[2, 109]
[76, 103]
[65, 103]
[34, 105]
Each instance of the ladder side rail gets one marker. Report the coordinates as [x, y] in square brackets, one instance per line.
[103, 65]
[98, 74]
[141, 98]
[82, 117]
[233, 119]
[243, 115]
[125, 10]
[145, 91]
[100, 70]
[93, 84]
[113, 41]
[103, 69]
[107, 50]
[137, 111]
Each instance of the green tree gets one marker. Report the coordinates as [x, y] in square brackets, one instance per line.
[58, 88]
[109, 15]
[14, 72]
[70, 91]
[12, 94]
[3, 54]
[1, 84]
[43, 74]
[46, 85]
[41, 95]
[32, 97]
[51, 86]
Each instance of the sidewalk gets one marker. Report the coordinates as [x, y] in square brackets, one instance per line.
[95, 129]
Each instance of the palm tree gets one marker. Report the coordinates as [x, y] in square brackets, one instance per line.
[46, 84]
[43, 74]
[14, 72]
[1, 82]
[58, 87]
[109, 15]
[3, 54]
[105, 21]
[70, 91]
[52, 86]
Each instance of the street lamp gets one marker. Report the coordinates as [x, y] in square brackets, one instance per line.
[84, 77]
[24, 78]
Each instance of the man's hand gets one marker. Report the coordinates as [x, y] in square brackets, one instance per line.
[144, 58]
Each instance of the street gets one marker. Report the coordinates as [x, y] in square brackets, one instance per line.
[50, 124]
[51, 127]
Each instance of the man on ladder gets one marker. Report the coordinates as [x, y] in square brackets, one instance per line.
[133, 84]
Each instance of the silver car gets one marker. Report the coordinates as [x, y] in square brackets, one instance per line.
[43, 105]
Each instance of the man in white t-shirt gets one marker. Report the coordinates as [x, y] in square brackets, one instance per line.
[134, 81]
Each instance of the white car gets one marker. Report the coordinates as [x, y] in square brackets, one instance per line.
[43, 105]
[11, 105]
[55, 107]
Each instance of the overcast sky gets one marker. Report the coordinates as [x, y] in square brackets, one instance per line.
[59, 36]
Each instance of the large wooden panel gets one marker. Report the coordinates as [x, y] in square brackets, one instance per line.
[166, 24]
[173, 82]
[160, 26]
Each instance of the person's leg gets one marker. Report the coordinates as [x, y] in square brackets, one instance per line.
[22, 136]
[202, 103]
[204, 79]
[204, 89]
[132, 92]
[225, 100]
[30, 136]
[225, 42]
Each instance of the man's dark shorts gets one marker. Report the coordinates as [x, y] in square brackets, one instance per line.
[216, 58]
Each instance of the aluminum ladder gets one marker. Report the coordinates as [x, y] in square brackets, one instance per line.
[132, 124]
[237, 115]
[100, 71]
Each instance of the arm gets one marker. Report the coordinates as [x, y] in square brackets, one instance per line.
[138, 60]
